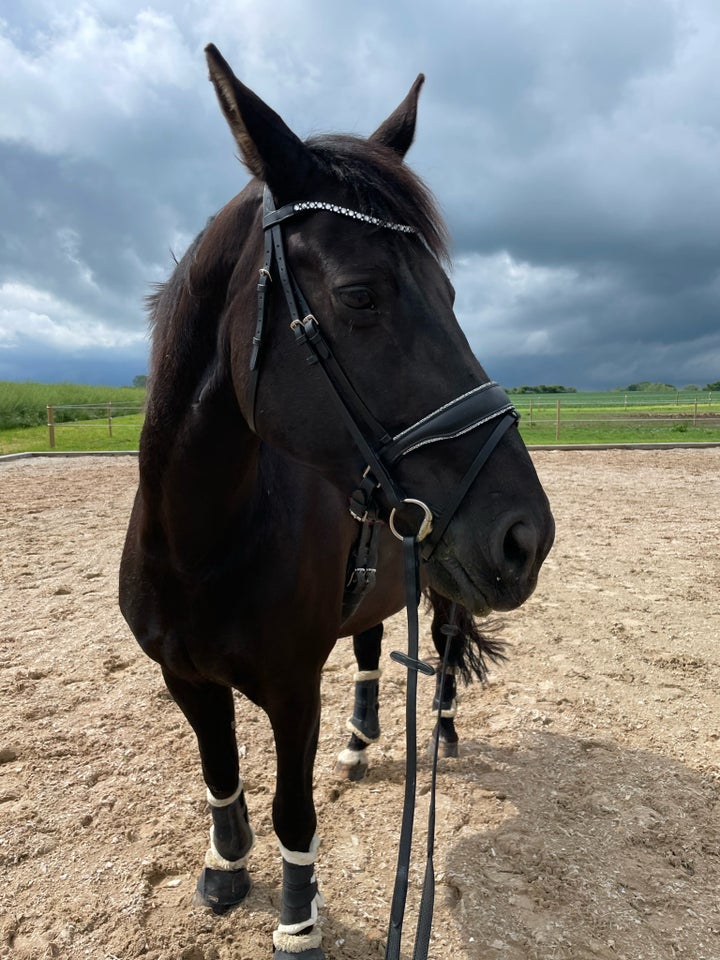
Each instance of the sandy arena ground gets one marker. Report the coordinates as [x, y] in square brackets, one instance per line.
[580, 821]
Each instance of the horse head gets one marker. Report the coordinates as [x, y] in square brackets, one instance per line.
[352, 266]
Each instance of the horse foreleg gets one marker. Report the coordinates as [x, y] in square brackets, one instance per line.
[364, 724]
[295, 720]
[444, 632]
[209, 708]
[455, 630]
[445, 700]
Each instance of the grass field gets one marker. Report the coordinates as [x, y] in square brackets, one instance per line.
[610, 417]
[619, 418]
[25, 404]
[75, 435]
[80, 413]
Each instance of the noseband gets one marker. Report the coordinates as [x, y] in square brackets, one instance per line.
[381, 451]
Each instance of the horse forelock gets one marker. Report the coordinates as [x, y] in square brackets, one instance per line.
[379, 183]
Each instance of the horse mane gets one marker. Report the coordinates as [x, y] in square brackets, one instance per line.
[185, 311]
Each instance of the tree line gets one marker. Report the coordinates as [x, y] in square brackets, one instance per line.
[644, 386]
[543, 388]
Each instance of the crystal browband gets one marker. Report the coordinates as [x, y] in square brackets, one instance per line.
[354, 214]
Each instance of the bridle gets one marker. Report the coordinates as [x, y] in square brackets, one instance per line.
[381, 451]
[487, 403]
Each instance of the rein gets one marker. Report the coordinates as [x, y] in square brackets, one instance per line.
[382, 452]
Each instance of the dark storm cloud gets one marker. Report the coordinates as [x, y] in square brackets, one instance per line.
[574, 148]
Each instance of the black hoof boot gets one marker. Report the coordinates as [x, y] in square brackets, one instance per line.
[224, 883]
[300, 902]
[365, 721]
[221, 890]
[304, 947]
[315, 953]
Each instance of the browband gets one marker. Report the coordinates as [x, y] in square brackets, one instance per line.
[271, 217]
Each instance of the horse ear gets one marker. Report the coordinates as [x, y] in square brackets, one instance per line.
[268, 147]
[398, 131]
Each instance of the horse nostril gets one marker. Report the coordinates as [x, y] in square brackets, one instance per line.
[519, 548]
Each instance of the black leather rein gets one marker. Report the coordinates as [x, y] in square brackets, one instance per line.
[485, 404]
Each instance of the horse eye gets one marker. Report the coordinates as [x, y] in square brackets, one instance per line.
[357, 298]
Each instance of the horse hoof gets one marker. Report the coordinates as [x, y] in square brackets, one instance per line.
[351, 764]
[446, 748]
[351, 771]
[221, 890]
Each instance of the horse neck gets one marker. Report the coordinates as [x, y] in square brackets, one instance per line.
[198, 463]
[198, 458]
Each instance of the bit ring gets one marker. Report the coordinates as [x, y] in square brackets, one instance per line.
[425, 526]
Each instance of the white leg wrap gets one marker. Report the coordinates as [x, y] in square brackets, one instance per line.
[351, 728]
[214, 802]
[361, 675]
[301, 941]
[215, 861]
[451, 713]
[292, 943]
[293, 929]
[352, 758]
[299, 857]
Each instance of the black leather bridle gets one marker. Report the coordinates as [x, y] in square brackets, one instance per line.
[487, 403]
[380, 450]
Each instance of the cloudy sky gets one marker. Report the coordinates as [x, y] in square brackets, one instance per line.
[573, 145]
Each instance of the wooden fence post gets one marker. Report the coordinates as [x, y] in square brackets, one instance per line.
[557, 425]
[695, 415]
[531, 412]
[51, 424]
[109, 418]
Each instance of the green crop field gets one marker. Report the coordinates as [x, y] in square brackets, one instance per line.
[110, 418]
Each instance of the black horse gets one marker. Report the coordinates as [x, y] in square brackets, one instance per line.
[279, 450]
